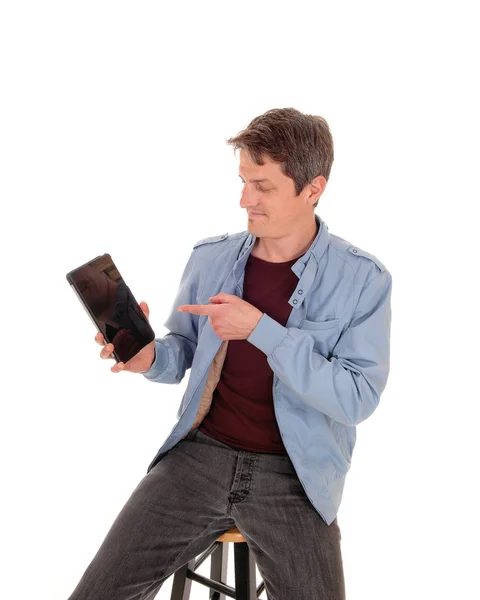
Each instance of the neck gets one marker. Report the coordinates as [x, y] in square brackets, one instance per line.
[287, 247]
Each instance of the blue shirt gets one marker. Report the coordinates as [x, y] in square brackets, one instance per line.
[330, 361]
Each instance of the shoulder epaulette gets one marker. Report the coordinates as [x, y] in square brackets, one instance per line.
[211, 240]
[359, 252]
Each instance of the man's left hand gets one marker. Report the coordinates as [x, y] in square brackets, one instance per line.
[230, 317]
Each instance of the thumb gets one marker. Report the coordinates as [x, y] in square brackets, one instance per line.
[220, 298]
[144, 307]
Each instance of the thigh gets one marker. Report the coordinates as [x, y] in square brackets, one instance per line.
[298, 555]
[172, 516]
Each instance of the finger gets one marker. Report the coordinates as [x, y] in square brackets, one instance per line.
[117, 367]
[100, 339]
[195, 309]
[144, 307]
[107, 351]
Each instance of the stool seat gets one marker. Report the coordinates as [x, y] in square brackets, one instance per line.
[232, 535]
[245, 574]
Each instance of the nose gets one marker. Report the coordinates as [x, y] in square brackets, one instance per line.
[249, 199]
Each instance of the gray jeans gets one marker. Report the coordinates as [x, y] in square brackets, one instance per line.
[196, 492]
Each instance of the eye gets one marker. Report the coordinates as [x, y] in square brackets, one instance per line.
[258, 186]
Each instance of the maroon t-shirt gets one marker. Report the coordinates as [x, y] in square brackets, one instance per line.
[242, 414]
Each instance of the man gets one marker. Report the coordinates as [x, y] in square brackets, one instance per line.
[286, 329]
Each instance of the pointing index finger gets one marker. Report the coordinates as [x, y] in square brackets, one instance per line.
[196, 309]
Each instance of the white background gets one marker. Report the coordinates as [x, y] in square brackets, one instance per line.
[114, 117]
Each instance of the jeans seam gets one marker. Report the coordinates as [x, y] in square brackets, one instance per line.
[188, 546]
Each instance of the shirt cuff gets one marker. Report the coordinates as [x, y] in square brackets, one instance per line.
[160, 361]
[267, 334]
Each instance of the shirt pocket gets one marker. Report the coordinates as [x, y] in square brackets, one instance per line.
[325, 334]
[320, 325]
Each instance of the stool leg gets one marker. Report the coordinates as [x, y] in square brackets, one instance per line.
[218, 568]
[245, 576]
[181, 583]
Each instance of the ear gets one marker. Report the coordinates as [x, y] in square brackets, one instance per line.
[318, 186]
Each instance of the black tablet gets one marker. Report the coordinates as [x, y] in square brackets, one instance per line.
[111, 306]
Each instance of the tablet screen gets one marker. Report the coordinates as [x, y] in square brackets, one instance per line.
[112, 306]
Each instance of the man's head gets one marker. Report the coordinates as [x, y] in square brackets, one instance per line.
[293, 153]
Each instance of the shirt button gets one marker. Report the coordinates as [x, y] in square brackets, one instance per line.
[354, 250]
[295, 301]
[300, 291]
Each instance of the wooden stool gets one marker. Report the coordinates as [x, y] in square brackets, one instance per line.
[245, 579]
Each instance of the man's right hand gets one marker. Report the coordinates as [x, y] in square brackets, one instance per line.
[141, 362]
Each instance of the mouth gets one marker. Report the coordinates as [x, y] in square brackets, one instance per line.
[253, 215]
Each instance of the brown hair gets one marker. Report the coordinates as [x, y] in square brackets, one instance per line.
[302, 144]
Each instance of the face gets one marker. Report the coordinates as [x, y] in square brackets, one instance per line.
[266, 190]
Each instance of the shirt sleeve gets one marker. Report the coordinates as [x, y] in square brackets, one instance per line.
[348, 385]
[174, 352]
